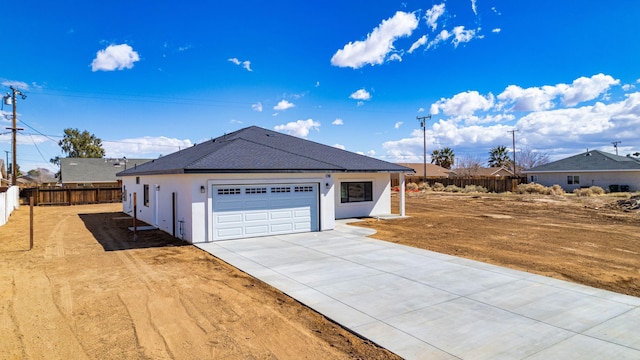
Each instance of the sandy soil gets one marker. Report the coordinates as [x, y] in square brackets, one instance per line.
[87, 291]
[585, 240]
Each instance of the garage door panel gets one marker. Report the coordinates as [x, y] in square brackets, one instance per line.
[257, 216]
[281, 214]
[229, 218]
[262, 210]
[253, 230]
[281, 228]
[229, 233]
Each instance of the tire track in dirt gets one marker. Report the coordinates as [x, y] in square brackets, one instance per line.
[11, 346]
[54, 246]
[41, 323]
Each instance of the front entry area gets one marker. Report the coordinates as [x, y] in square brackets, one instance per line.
[242, 211]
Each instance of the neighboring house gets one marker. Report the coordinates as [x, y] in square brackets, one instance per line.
[257, 182]
[482, 172]
[591, 168]
[433, 171]
[79, 172]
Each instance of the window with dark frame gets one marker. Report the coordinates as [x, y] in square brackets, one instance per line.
[146, 195]
[573, 179]
[356, 191]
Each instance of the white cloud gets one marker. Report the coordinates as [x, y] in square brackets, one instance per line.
[442, 36]
[585, 89]
[496, 30]
[433, 14]
[465, 103]
[147, 146]
[337, 122]
[245, 64]
[283, 105]
[398, 124]
[395, 57]
[361, 94]
[473, 7]
[257, 107]
[530, 99]
[371, 153]
[16, 84]
[418, 43]
[460, 35]
[420, 109]
[542, 98]
[339, 146]
[378, 44]
[115, 57]
[317, 84]
[628, 87]
[299, 128]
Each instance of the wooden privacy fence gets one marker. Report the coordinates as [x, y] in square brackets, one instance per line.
[492, 183]
[75, 196]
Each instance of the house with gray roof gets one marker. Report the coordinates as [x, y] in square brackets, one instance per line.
[78, 172]
[257, 182]
[591, 168]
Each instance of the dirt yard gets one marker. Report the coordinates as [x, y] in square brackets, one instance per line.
[87, 291]
[585, 240]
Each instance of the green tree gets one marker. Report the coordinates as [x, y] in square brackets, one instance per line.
[499, 157]
[443, 157]
[10, 169]
[76, 144]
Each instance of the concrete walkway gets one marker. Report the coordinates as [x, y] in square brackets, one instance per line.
[425, 305]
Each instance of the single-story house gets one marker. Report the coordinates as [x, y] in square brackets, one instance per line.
[591, 168]
[433, 172]
[94, 172]
[257, 182]
[500, 171]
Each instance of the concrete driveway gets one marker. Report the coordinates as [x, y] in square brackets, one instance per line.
[425, 305]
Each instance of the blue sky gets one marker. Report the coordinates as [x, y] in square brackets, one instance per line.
[150, 77]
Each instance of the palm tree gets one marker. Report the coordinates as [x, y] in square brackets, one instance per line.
[443, 157]
[499, 157]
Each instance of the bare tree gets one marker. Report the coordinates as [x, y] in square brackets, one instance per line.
[468, 165]
[529, 158]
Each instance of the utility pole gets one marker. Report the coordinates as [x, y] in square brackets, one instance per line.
[423, 124]
[513, 138]
[615, 145]
[10, 99]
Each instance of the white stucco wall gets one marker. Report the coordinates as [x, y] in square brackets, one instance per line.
[601, 179]
[194, 208]
[381, 204]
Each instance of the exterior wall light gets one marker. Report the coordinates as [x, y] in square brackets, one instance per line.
[202, 189]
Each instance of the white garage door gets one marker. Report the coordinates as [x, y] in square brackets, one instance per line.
[241, 211]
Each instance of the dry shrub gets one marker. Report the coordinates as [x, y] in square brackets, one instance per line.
[583, 192]
[597, 190]
[437, 187]
[423, 186]
[533, 188]
[474, 189]
[412, 187]
[557, 190]
[452, 189]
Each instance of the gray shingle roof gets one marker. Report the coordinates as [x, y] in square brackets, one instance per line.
[94, 170]
[593, 160]
[257, 150]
